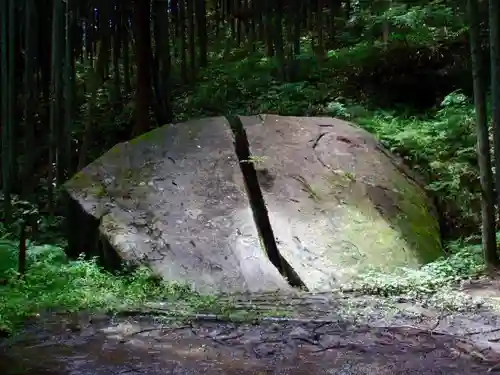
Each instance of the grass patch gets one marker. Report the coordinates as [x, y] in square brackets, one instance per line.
[465, 261]
[53, 283]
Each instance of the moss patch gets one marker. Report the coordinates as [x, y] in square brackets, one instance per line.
[365, 241]
[381, 229]
[88, 183]
[416, 221]
[148, 137]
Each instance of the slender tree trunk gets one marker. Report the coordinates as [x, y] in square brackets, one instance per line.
[494, 6]
[182, 36]
[56, 105]
[191, 39]
[117, 48]
[68, 85]
[144, 59]
[201, 24]
[30, 96]
[483, 145]
[126, 53]
[278, 38]
[5, 112]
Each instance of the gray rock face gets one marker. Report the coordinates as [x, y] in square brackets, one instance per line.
[175, 200]
[337, 201]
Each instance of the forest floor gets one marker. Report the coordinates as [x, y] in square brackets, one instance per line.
[330, 333]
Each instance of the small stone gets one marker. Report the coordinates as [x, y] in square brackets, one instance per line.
[299, 332]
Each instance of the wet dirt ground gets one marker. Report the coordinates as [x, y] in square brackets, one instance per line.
[86, 344]
[139, 346]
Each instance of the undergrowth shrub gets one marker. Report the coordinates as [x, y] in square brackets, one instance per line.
[465, 261]
[54, 283]
[412, 70]
[441, 147]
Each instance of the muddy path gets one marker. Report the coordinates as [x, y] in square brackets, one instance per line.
[138, 345]
[148, 343]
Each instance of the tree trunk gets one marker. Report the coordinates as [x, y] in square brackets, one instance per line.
[483, 146]
[143, 55]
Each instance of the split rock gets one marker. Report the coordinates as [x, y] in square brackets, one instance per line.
[338, 202]
[174, 199]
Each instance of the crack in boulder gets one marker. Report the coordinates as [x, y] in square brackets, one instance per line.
[209, 214]
[258, 204]
[315, 145]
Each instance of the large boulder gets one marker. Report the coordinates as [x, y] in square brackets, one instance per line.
[174, 199]
[338, 202]
[178, 200]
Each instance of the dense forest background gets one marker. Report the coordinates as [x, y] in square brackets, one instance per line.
[79, 76]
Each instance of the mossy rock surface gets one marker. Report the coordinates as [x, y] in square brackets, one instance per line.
[175, 199]
[339, 203]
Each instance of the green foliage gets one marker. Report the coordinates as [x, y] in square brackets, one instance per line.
[409, 21]
[440, 146]
[54, 283]
[364, 71]
[43, 228]
[465, 261]
[423, 23]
